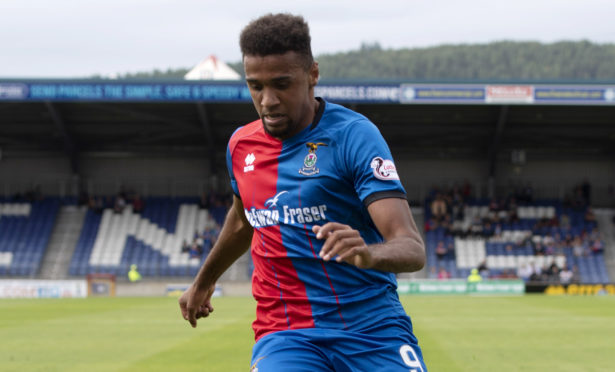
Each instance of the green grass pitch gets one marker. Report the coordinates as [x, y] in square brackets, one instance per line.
[526, 333]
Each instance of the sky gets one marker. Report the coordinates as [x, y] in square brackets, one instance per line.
[70, 38]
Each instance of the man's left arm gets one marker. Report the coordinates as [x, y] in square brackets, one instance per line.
[403, 249]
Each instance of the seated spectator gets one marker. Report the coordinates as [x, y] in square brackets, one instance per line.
[438, 208]
[195, 250]
[597, 246]
[483, 270]
[430, 225]
[488, 229]
[493, 205]
[578, 248]
[476, 228]
[443, 274]
[137, 204]
[507, 274]
[525, 272]
[185, 246]
[539, 249]
[120, 203]
[441, 250]
[552, 273]
[565, 276]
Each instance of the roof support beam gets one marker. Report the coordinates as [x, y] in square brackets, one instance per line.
[69, 144]
[208, 134]
[495, 147]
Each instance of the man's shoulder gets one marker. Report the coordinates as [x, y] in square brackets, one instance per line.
[250, 130]
[247, 130]
[342, 113]
[338, 118]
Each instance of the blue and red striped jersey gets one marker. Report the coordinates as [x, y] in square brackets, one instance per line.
[330, 171]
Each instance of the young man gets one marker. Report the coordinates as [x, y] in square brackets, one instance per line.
[318, 197]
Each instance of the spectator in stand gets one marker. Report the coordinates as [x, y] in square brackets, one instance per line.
[507, 274]
[120, 203]
[525, 272]
[443, 274]
[483, 270]
[438, 208]
[578, 248]
[137, 204]
[488, 229]
[185, 246]
[594, 234]
[539, 249]
[597, 246]
[552, 273]
[565, 276]
[476, 227]
[441, 250]
[458, 204]
[494, 206]
[195, 250]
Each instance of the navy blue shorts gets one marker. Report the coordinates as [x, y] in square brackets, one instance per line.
[391, 348]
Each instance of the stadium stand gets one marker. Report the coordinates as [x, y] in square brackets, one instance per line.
[59, 136]
[111, 241]
[25, 228]
[535, 241]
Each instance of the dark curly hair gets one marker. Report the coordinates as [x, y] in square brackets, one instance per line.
[277, 34]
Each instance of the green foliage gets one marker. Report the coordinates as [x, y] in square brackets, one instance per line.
[503, 60]
[456, 333]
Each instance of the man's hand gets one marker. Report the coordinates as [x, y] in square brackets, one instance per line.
[345, 243]
[195, 303]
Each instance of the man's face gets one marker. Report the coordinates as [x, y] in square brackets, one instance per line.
[282, 91]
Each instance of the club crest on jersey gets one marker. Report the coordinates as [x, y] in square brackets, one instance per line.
[309, 162]
[384, 169]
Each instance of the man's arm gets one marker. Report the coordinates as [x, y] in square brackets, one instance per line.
[233, 241]
[403, 249]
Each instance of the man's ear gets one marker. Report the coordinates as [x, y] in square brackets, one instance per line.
[314, 74]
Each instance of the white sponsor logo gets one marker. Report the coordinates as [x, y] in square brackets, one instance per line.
[249, 163]
[287, 215]
[384, 169]
[273, 202]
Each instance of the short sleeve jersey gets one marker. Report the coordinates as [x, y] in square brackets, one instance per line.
[329, 172]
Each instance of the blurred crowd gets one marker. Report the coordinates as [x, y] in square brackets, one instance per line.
[573, 231]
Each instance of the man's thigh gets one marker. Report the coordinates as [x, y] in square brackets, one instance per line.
[339, 351]
[288, 351]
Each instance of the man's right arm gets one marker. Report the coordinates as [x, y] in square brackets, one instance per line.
[233, 241]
